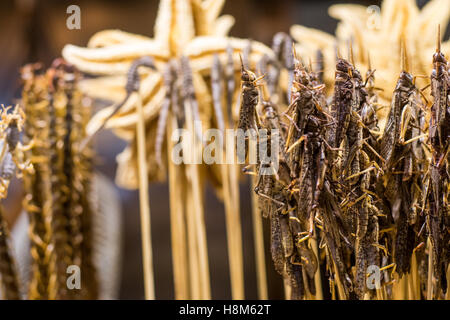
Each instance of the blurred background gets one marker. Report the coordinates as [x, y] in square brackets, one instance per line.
[33, 30]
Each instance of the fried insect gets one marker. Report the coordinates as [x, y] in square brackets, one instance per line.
[71, 174]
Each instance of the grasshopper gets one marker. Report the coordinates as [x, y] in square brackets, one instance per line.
[400, 165]
[437, 184]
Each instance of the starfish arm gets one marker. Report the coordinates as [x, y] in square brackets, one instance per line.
[110, 88]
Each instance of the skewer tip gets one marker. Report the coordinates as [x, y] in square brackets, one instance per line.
[337, 52]
[265, 92]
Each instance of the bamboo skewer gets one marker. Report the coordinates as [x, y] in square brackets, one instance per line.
[430, 271]
[200, 233]
[317, 276]
[258, 236]
[177, 222]
[144, 204]
[194, 276]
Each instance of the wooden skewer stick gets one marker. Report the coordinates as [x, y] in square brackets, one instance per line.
[144, 204]
[317, 276]
[258, 236]
[177, 221]
[287, 288]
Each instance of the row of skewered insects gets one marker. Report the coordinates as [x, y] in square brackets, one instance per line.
[368, 197]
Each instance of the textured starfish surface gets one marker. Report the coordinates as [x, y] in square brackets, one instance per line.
[379, 34]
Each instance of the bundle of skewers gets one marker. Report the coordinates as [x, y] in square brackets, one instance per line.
[359, 191]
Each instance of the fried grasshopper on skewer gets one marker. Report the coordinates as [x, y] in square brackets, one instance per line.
[437, 186]
[57, 190]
